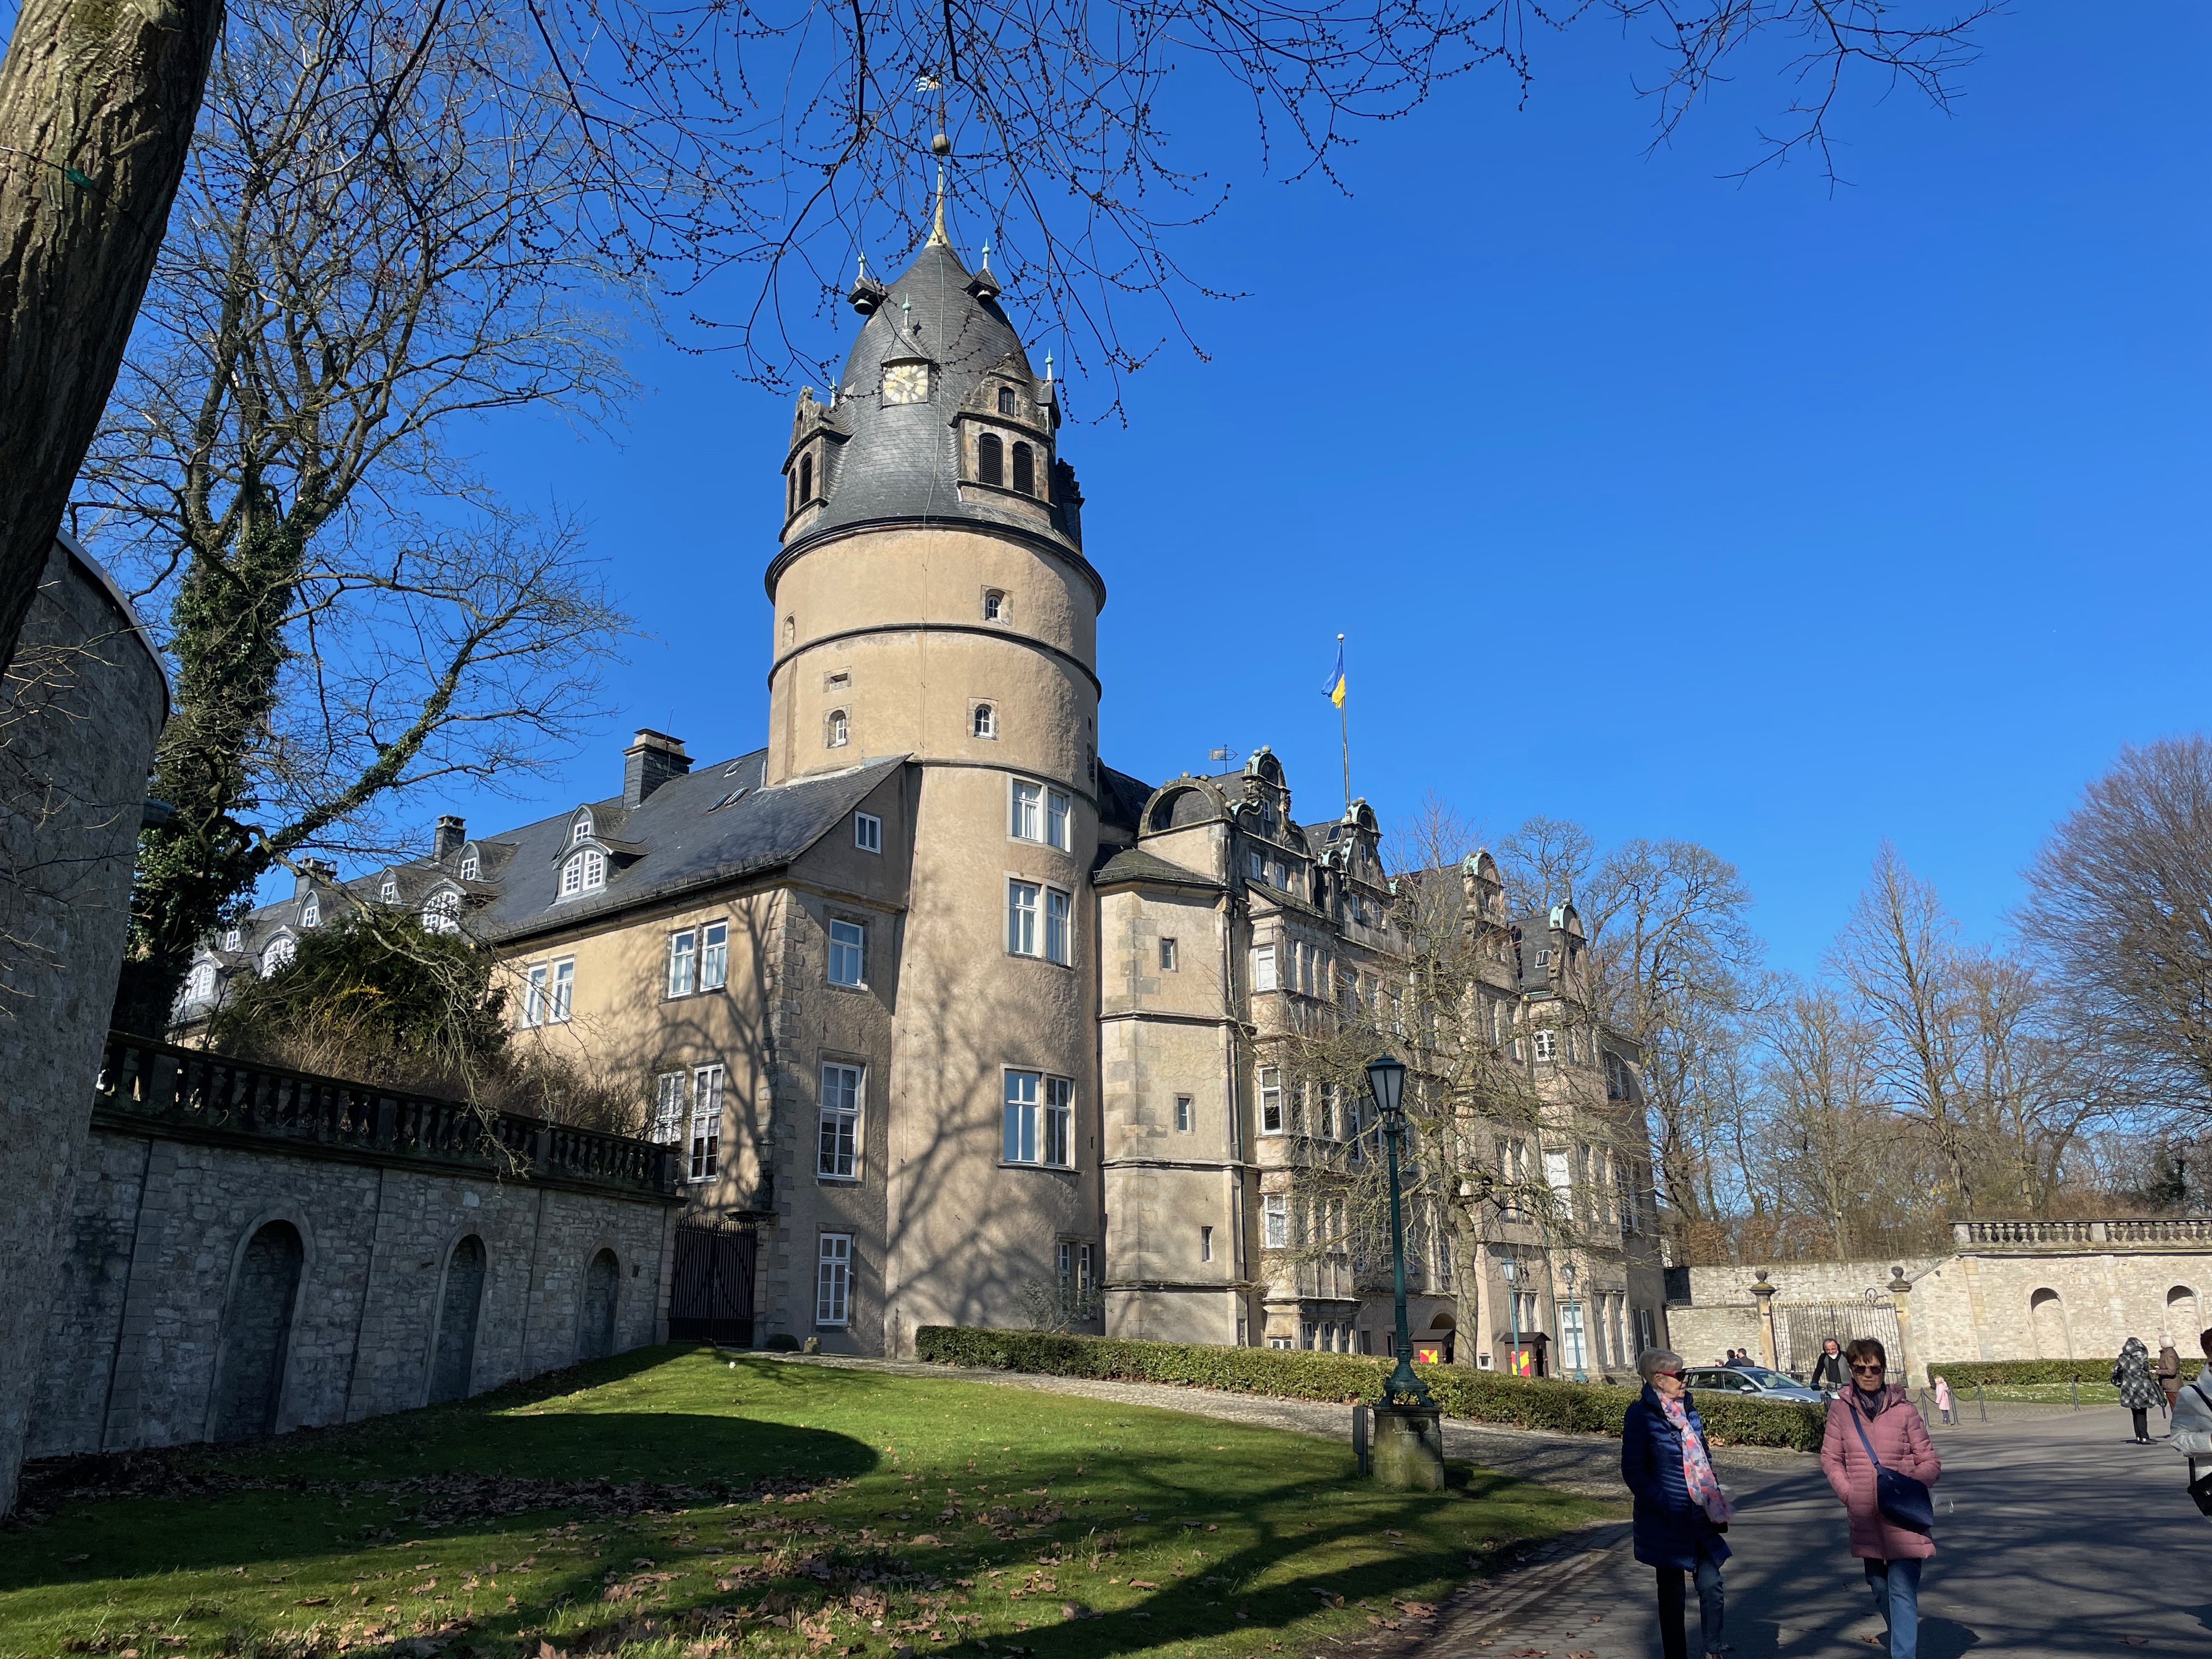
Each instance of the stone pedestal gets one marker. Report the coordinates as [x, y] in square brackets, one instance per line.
[79, 708]
[1409, 1448]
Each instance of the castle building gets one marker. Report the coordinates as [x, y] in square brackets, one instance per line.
[965, 1026]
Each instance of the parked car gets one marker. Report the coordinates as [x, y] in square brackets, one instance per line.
[1755, 1380]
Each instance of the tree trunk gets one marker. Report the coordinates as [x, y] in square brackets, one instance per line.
[98, 101]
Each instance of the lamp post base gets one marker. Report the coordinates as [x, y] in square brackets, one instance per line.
[1409, 1448]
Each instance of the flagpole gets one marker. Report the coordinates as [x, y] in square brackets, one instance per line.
[1344, 730]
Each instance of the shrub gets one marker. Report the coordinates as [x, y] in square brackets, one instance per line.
[1964, 1373]
[1297, 1374]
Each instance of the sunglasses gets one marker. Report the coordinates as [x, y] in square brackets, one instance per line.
[1874, 1369]
[1677, 1376]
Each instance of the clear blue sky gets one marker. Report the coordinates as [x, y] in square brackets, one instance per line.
[1779, 520]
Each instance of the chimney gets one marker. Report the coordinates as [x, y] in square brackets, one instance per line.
[313, 873]
[652, 760]
[446, 840]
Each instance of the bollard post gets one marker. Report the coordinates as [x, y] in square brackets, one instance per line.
[2074, 1385]
[1981, 1400]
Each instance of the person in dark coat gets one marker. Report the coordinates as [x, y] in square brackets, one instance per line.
[1680, 1510]
[1828, 1371]
[2139, 1390]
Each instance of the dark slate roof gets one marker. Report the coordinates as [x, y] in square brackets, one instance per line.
[1131, 864]
[692, 834]
[1121, 799]
[716, 823]
[902, 463]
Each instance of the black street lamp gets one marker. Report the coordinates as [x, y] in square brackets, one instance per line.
[1386, 1081]
[1511, 1269]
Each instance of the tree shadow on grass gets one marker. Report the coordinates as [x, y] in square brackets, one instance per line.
[481, 1472]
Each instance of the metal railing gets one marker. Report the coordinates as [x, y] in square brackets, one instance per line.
[159, 1085]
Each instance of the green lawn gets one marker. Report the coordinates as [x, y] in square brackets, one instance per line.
[669, 1504]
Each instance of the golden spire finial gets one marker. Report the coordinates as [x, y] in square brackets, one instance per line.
[937, 236]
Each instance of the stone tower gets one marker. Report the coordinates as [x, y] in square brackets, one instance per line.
[933, 601]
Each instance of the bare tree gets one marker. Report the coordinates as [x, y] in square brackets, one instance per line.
[360, 265]
[2120, 908]
[1830, 1127]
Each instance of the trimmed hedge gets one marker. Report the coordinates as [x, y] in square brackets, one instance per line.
[1966, 1372]
[1298, 1374]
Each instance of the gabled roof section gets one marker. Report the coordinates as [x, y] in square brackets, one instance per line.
[1133, 864]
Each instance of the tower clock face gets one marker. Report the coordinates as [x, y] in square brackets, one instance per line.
[905, 383]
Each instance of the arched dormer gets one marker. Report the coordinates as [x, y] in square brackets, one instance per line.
[279, 954]
[441, 910]
[583, 871]
[311, 911]
[1184, 803]
[471, 862]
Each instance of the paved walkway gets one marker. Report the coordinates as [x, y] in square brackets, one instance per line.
[2055, 1539]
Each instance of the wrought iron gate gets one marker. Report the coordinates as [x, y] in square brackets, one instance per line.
[1799, 1328]
[712, 1298]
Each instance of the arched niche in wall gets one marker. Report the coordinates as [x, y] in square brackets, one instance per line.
[2184, 1317]
[595, 1322]
[257, 1334]
[2046, 1317]
[461, 1304]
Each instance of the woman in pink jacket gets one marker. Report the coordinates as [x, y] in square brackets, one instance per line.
[1899, 1439]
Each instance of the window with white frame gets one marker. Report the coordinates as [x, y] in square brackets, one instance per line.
[1271, 1101]
[1275, 1214]
[683, 961]
[1183, 1114]
[564, 991]
[232, 938]
[311, 912]
[1205, 1243]
[868, 832]
[471, 867]
[713, 956]
[279, 955]
[848, 953]
[1558, 1176]
[668, 1108]
[584, 873]
[994, 604]
[705, 1121]
[442, 914]
[1263, 968]
[201, 985]
[389, 892]
[984, 721]
[1171, 956]
[535, 990]
[1548, 1042]
[1023, 898]
[833, 1282]
[581, 831]
[838, 1152]
[1256, 865]
[1056, 808]
[1037, 812]
[836, 730]
[1278, 1342]
[1059, 927]
[1039, 1119]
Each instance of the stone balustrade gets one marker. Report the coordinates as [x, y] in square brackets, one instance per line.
[143, 1083]
[2073, 1234]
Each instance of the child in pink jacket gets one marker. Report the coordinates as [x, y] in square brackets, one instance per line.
[1878, 1410]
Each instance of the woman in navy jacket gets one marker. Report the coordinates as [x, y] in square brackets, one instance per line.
[1680, 1511]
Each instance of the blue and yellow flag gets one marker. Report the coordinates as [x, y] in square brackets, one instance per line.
[1335, 690]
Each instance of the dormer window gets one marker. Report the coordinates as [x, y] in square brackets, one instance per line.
[1005, 400]
[278, 957]
[232, 940]
[1026, 469]
[585, 873]
[985, 721]
[390, 892]
[201, 986]
[990, 459]
[471, 867]
[582, 832]
[311, 912]
[442, 914]
[836, 730]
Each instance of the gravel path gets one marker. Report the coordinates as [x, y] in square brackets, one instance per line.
[1586, 1464]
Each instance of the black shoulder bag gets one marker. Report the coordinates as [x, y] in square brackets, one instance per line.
[1898, 1496]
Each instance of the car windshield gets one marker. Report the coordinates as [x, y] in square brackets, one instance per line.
[1764, 1378]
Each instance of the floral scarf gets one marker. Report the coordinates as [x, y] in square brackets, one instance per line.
[1698, 1475]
